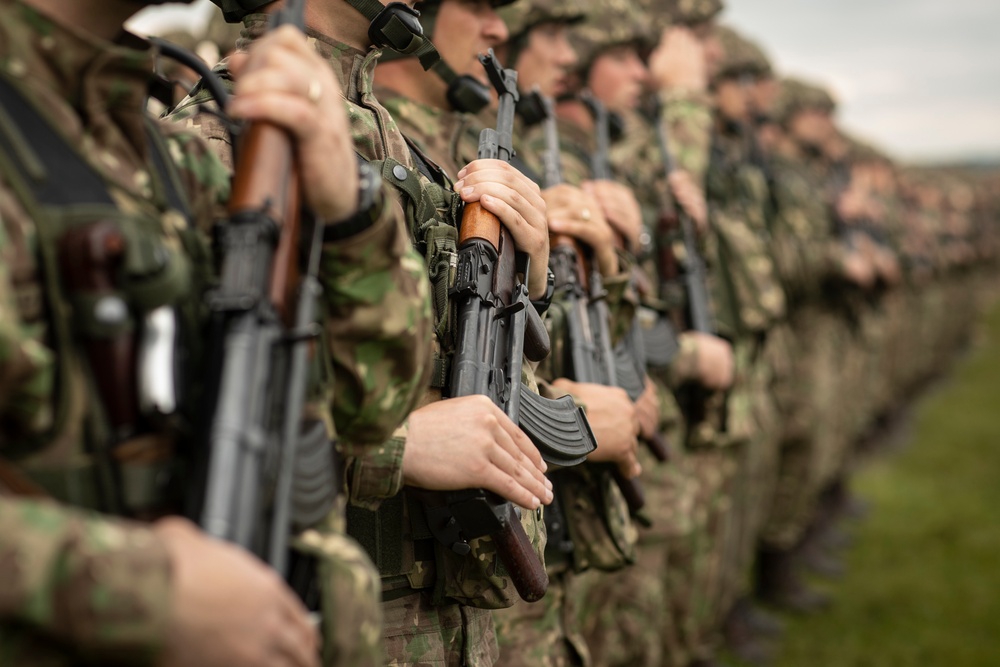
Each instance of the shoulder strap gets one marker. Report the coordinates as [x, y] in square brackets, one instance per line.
[54, 173]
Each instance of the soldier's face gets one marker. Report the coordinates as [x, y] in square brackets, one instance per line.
[811, 127]
[465, 29]
[763, 95]
[731, 100]
[546, 60]
[618, 77]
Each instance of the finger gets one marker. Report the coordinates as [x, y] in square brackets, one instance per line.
[518, 467]
[297, 643]
[510, 479]
[582, 231]
[521, 442]
[511, 178]
[526, 235]
[293, 112]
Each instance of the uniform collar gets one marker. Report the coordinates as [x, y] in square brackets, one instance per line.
[354, 68]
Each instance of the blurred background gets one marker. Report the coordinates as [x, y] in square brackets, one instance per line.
[919, 78]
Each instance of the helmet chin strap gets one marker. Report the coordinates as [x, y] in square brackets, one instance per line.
[406, 31]
[397, 26]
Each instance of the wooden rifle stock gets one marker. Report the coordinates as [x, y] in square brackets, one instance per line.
[266, 180]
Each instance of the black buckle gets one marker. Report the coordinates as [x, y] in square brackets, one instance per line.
[408, 18]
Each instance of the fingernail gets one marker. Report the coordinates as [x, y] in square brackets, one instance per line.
[549, 496]
[545, 466]
[535, 502]
[548, 483]
[486, 199]
[458, 185]
[468, 191]
[465, 170]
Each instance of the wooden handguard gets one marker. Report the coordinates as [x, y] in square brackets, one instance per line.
[272, 186]
[478, 223]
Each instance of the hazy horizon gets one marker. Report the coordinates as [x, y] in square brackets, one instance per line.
[918, 78]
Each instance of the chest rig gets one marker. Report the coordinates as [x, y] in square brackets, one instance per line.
[117, 284]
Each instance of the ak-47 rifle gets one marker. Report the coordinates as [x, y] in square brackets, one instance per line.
[263, 474]
[497, 327]
[694, 274]
[630, 353]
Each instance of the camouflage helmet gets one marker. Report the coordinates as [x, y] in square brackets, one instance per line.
[659, 13]
[609, 23]
[740, 55]
[523, 15]
[797, 95]
[693, 12]
[235, 10]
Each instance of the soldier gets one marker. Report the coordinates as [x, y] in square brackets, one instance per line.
[436, 602]
[526, 633]
[82, 586]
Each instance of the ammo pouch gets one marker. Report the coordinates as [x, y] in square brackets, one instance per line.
[596, 519]
[399, 541]
[64, 195]
[435, 212]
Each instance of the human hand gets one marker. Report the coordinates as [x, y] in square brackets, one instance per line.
[468, 443]
[714, 366]
[517, 201]
[613, 418]
[620, 208]
[691, 198]
[229, 608]
[678, 61]
[575, 212]
[647, 409]
[283, 80]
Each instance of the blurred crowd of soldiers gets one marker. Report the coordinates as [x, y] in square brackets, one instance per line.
[786, 287]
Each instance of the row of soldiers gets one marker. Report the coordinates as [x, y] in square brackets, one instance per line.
[736, 292]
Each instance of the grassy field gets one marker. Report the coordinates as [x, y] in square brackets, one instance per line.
[923, 584]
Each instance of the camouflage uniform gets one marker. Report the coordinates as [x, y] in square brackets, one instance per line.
[98, 585]
[436, 603]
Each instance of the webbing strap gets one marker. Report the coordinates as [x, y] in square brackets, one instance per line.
[55, 173]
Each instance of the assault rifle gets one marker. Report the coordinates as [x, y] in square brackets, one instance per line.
[263, 475]
[694, 274]
[497, 327]
[591, 357]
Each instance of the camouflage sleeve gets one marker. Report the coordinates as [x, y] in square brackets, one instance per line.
[27, 367]
[101, 586]
[377, 295]
[689, 125]
[377, 301]
[376, 473]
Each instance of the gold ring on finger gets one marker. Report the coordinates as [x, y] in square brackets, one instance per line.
[585, 215]
[315, 91]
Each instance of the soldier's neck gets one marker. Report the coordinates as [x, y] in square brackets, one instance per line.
[101, 18]
[340, 22]
[576, 113]
[408, 79]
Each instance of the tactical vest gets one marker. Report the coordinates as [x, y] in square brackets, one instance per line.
[748, 297]
[397, 536]
[81, 460]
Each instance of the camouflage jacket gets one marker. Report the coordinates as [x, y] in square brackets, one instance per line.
[444, 139]
[688, 117]
[99, 585]
[804, 252]
[748, 297]
[74, 579]
[380, 324]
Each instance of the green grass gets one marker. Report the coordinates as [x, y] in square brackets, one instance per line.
[923, 582]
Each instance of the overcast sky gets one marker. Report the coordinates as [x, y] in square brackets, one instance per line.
[919, 77]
